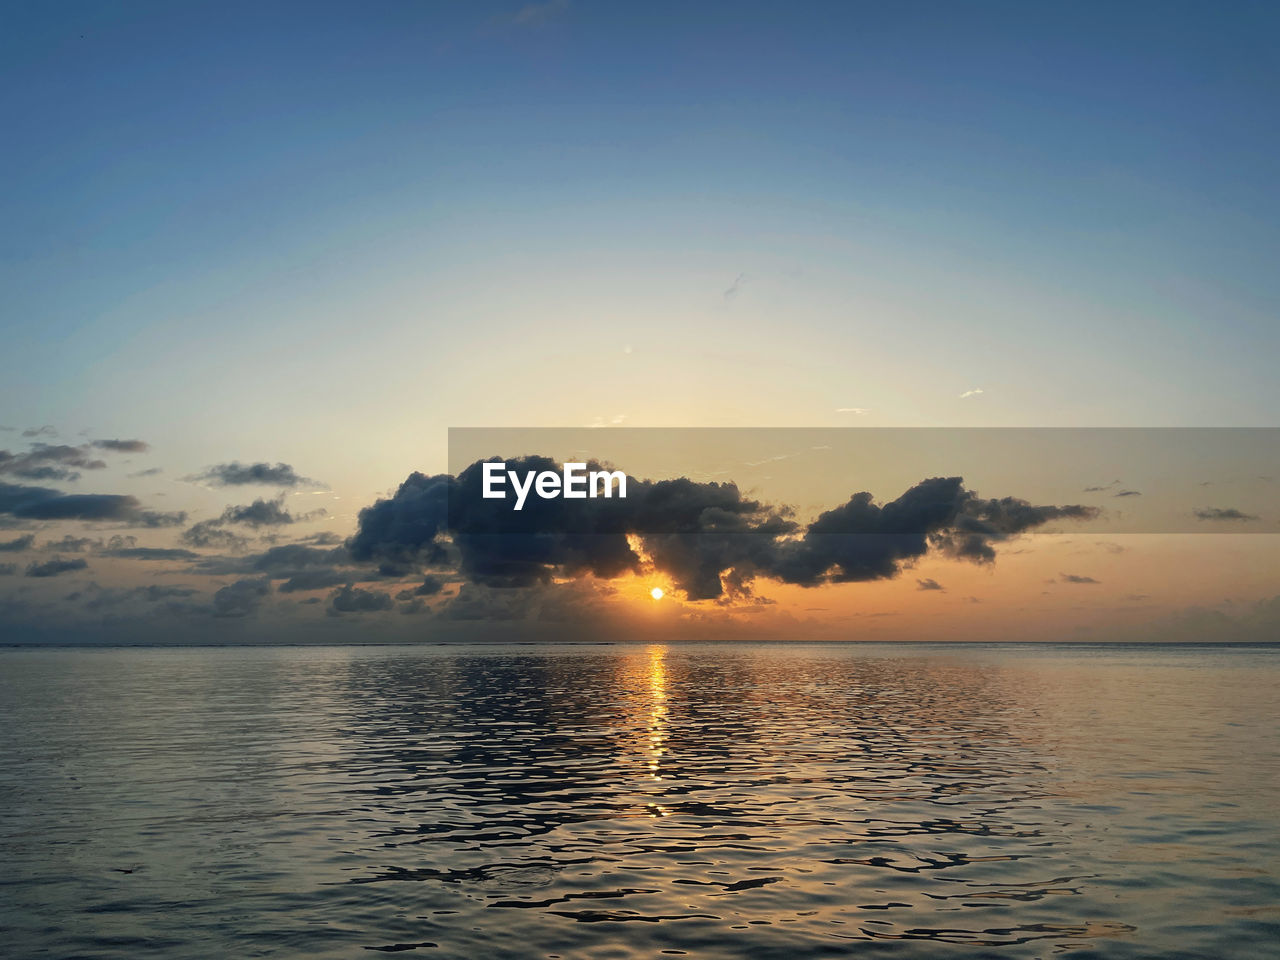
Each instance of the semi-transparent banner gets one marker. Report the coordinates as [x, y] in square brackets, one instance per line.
[966, 484]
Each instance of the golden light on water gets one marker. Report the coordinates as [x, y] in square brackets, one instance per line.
[657, 709]
[645, 686]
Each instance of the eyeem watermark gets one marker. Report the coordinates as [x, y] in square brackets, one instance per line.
[574, 482]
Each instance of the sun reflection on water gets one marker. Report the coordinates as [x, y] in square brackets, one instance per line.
[657, 709]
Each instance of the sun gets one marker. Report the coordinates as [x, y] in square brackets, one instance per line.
[656, 593]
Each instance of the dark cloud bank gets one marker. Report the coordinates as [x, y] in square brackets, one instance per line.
[45, 503]
[437, 548]
[708, 538]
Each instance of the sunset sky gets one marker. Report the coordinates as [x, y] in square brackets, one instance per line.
[256, 263]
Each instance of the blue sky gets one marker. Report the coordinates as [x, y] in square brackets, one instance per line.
[324, 233]
[1081, 188]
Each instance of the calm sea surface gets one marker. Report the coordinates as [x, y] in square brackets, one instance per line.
[629, 801]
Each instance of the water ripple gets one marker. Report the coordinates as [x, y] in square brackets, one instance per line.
[710, 801]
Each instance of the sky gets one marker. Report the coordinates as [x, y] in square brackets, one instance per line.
[321, 235]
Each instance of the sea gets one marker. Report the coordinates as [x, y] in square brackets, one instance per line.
[611, 800]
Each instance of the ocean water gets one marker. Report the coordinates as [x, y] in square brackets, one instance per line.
[619, 801]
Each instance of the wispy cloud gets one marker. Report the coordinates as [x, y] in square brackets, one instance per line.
[56, 566]
[736, 287]
[1227, 513]
[123, 446]
[236, 474]
[50, 462]
[856, 411]
[151, 553]
[60, 461]
[976, 391]
[257, 515]
[766, 460]
[15, 546]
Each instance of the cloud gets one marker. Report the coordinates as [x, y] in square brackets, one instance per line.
[150, 472]
[14, 546]
[302, 567]
[865, 541]
[1256, 623]
[705, 536]
[122, 446]
[856, 411]
[314, 578]
[158, 518]
[736, 287]
[413, 600]
[124, 547]
[979, 523]
[929, 584]
[326, 538]
[259, 514]
[60, 461]
[151, 553]
[157, 592]
[8, 569]
[45, 431]
[429, 587]
[352, 599]
[240, 598]
[49, 462]
[43, 503]
[1128, 493]
[975, 392]
[265, 513]
[575, 601]
[236, 474]
[296, 556]
[403, 532]
[70, 544]
[209, 534]
[170, 598]
[1227, 513]
[56, 566]
[1076, 578]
